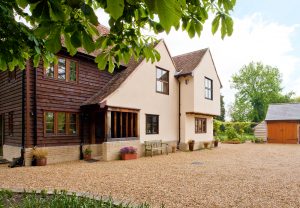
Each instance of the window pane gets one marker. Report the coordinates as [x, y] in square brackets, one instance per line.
[61, 68]
[73, 71]
[152, 123]
[50, 71]
[72, 123]
[49, 122]
[61, 122]
[162, 81]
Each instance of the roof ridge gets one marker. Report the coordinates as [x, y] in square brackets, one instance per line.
[191, 52]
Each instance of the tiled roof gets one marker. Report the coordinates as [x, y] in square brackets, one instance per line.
[186, 63]
[285, 111]
[114, 83]
[102, 31]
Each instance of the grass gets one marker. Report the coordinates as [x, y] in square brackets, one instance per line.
[59, 199]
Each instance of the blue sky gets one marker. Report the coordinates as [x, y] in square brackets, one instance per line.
[264, 30]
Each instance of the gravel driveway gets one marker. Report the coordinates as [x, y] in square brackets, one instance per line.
[243, 175]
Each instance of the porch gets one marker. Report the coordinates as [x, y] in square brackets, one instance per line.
[107, 129]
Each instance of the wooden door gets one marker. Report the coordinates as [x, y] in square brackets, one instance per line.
[282, 132]
[1, 134]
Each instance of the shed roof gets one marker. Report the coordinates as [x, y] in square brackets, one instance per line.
[283, 111]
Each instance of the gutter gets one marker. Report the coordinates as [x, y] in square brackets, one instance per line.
[34, 109]
[179, 127]
[23, 118]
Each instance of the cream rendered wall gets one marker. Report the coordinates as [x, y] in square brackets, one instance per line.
[193, 100]
[190, 129]
[206, 69]
[186, 103]
[139, 91]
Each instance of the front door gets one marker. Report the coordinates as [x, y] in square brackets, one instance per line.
[1, 134]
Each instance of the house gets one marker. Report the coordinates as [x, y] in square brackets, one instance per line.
[283, 123]
[260, 130]
[71, 105]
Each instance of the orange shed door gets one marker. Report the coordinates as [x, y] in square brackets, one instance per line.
[283, 132]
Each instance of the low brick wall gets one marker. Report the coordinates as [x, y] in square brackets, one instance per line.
[111, 150]
[10, 152]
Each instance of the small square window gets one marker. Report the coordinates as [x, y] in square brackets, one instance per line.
[152, 124]
[200, 125]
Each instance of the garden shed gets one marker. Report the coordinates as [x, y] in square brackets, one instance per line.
[260, 130]
[283, 123]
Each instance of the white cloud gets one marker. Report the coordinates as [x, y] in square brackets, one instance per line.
[254, 39]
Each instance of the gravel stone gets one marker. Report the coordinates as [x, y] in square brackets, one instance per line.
[232, 175]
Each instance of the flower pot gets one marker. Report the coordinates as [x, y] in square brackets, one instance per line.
[129, 156]
[173, 149]
[41, 161]
[87, 156]
[216, 143]
[206, 145]
[191, 146]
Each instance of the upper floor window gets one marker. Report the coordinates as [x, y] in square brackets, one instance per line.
[208, 88]
[66, 69]
[61, 123]
[200, 125]
[152, 124]
[162, 81]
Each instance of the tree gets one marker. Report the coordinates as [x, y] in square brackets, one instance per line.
[257, 86]
[75, 21]
[222, 116]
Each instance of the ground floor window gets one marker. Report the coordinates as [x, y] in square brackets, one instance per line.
[123, 124]
[152, 124]
[200, 125]
[61, 123]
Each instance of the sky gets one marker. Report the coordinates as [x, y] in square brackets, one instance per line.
[264, 30]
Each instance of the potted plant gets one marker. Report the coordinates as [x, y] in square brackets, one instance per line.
[128, 153]
[191, 144]
[87, 154]
[206, 145]
[39, 156]
[173, 149]
[216, 142]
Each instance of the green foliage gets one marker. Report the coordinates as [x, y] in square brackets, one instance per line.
[58, 199]
[222, 116]
[231, 133]
[257, 86]
[76, 21]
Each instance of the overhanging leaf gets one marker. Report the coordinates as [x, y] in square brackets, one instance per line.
[115, 8]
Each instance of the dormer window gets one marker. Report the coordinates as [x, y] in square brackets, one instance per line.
[208, 83]
[162, 81]
[66, 70]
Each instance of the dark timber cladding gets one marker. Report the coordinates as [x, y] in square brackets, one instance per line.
[11, 103]
[61, 96]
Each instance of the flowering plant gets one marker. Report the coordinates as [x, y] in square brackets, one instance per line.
[128, 150]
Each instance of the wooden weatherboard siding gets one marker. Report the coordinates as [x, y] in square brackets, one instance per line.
[11, 101]
[62, 96]
[283, 132]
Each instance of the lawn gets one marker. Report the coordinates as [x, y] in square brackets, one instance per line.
[243, 175]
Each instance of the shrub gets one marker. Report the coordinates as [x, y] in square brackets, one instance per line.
[231, 133]
[88, 151]
[39, 153]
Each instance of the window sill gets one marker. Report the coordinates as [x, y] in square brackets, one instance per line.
[61, 135]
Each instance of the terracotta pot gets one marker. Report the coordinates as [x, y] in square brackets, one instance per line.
[191, 146]
[206, 145]
[216, 143]
[129, 156]
[41, 161]
[173, 149]
[87, 156]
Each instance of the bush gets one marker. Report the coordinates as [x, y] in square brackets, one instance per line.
[231, 133]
